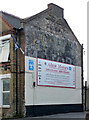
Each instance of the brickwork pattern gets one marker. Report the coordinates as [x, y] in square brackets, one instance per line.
[20, 81]
[11, 68]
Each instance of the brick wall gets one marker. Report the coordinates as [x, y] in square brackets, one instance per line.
[20, 76]
[11, 68]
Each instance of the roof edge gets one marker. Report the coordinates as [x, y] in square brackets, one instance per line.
[11, 15]
[5, 21]
[50, 7]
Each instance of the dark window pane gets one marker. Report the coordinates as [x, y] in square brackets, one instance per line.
[6, 98]
[6, 85]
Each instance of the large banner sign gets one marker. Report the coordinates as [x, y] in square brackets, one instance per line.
[55, 74]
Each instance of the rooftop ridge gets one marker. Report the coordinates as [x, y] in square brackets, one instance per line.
[9, 14]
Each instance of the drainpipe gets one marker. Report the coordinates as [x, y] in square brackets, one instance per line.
[85, 94]
[16, 76]
[82, 76]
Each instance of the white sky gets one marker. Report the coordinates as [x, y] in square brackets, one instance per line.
[75, 12]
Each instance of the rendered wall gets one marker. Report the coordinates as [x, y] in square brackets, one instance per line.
[42, 95]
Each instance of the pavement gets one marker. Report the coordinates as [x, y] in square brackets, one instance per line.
[64, 116]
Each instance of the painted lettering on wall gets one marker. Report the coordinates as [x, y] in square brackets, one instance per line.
[52, 73]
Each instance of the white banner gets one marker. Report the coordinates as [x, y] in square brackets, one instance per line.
[56, 74]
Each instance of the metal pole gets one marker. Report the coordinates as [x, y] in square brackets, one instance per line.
[82, 75]
[16, 77]
[85, 93]
[20, 85]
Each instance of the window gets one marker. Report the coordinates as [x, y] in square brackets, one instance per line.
[4, 48]
[6, 92]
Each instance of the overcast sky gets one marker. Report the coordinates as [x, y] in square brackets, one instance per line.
[75, 12]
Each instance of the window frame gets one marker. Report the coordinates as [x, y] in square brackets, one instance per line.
[6, 38]
[5, 92]
[3, 77]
